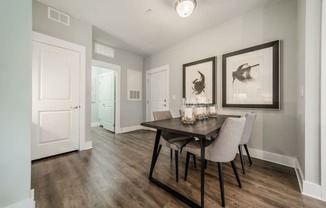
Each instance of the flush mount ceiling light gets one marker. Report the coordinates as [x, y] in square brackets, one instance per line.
[185, 7]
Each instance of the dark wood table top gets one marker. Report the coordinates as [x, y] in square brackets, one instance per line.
[201, 129]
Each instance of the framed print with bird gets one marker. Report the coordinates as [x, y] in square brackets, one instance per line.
[250, 77]
[199, 80]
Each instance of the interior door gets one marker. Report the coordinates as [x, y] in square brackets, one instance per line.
[107, 100]
[157, 92]
[55, 100]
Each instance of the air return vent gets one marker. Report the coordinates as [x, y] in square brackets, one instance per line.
[134, 85]
[58, 16]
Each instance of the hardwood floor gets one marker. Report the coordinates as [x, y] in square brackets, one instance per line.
[115, 174]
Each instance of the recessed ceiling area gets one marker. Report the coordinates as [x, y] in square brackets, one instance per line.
[151, 25]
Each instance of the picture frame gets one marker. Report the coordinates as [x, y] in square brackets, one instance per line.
[199, 80]
[250, 77]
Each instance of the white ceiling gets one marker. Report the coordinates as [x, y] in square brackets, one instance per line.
[148, 32]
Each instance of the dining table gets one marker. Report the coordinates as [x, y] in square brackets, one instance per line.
[202, 129]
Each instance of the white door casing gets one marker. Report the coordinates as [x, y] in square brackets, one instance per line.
[323, 103]
[107, 100]
[56, 97]
[157, 90]
[117, 70]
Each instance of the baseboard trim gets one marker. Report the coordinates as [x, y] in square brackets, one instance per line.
[272, 157]
[27, 203]
[86, 145]
[311, 189]
[307, 188]
[299, 174]
[94, 124]
[130, 128]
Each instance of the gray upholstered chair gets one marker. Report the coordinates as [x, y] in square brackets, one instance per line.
[171, 140]
[250, 120]
[220, 150]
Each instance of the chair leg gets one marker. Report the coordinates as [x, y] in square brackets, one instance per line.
[187, 164]
[241, 158]
[220, 174]
[171, 154]
[205, 164]
[194, 157]
[246, 148]
[236, 173]
[176, 165]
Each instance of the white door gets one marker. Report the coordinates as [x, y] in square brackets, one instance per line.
[157, 91]
[107, 100]
[55, 98]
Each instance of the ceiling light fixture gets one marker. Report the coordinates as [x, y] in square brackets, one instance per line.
[185, 7]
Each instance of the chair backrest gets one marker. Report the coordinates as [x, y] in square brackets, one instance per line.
[161, 115]
[225, 146]
[250, 120]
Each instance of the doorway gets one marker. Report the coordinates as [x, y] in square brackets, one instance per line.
[157, 90]
[105, 96]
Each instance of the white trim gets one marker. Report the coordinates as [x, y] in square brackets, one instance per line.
[298, 172]
[94, 124]
[272, 157]
[306, 187]
[311, 189]
[87, 145]
[117, 70]
[26, 203]
[130, 128]
[155, 70]
[49, 40]
[323, 104]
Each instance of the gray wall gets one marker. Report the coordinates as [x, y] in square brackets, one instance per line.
[130, 111]
[81, 33]
[78, 32]
[15, 105]
[275, 131]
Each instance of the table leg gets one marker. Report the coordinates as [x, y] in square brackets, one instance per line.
[154, 156]
[202, 172]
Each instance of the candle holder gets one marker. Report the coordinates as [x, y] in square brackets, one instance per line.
[188, 116]
[187, 120]
[212, 111]
[199, 112]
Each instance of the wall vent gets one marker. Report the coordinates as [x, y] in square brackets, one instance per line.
[134, 95]
[104, 50]
[58, 16]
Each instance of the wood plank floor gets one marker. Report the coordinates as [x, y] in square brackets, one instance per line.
[115, 174]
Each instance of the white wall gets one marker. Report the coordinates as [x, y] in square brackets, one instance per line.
[15, 105]
[309, 42]
[301, 84]
[274, 131]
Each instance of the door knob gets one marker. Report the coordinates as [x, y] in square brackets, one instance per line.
[74, 107]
